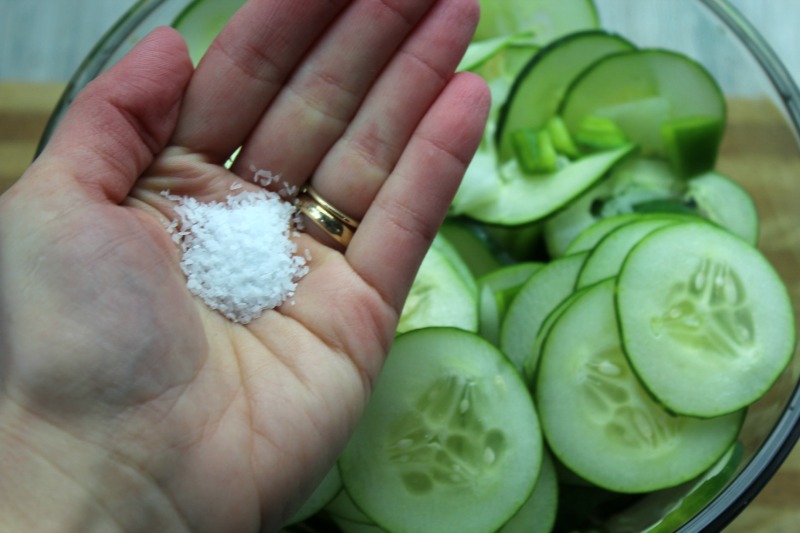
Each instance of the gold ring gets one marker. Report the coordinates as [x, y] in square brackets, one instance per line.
[348, 221]
[323, 215]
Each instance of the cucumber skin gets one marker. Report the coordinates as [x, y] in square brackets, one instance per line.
[544, 112]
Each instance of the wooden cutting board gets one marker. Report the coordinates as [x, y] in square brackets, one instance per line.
[25, 108]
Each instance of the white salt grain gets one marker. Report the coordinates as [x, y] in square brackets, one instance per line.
[238, 256]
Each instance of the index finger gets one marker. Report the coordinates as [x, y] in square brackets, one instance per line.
[244, 69]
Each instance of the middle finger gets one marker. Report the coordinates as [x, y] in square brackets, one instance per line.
[317, 103]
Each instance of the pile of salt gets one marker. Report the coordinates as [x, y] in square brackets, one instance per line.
[238, 255]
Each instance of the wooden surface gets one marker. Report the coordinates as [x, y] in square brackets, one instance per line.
[758, 149]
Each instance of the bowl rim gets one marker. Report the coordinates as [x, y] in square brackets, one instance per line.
[96, 60]
[761, 468]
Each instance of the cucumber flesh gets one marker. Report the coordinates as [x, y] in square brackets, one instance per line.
[664, 101]
[201, 21]
[706, 322]
[534, 301]
[538, 514]
[546, 19]
[633, 181]
[496, 292]
[444, 292]
[587, 393]
[531, 365]
[545, 79]
[480, 52]
[722, 200]
[589, 237]
[325, 492]
[342, 506]
[606, 259]
[667, 510]
[449, 427]
[521, 199]
[472, 245]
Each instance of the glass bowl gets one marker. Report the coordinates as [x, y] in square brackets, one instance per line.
[760, 151]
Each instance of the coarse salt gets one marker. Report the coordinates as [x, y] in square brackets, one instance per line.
[238, 255]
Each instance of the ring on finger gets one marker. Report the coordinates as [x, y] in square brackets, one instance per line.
[331, 220]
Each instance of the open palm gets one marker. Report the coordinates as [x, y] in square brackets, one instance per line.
[118, 384]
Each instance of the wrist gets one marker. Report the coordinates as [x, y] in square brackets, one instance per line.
[53, 480]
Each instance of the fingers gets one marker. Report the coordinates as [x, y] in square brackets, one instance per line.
[245, 68]
[405, 216]
[353, 171]
[322, 96]
[117, 124]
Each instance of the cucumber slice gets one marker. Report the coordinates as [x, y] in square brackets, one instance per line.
[472, 245]
[667, 510]
[606, 259]
[325, 492]
[346, 526]
[547, 19]
[201, 21]
[587, 393]
[535, 300]
[521, 198]
[539, 88]
[633, 181]
[539, 513]
[660, 99]
[589, 237]
[450, 426]
[496, 292]
[706, 322]
[530, 367]
[480, 52]
[342, 506]
[722, 200]
[444, 292]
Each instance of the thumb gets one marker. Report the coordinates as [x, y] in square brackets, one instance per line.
[118, 123]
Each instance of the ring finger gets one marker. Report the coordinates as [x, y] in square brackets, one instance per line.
[352, 172]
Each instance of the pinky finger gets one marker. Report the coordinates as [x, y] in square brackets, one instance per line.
[407, 212]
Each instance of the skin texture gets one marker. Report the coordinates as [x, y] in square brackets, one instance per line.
[126, 404]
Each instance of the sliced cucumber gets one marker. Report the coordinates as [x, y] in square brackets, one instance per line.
[480, 52]
[635, 180]
[347, 526]
[534, 301]
[660, 99]
[450, 426]
[545, 79]
[328, 488]
[201, 21]
[589, 237]
[522, 198]
[601, 423]
[547, 19]
[539, 513]
[342, 506]
[606, 259]
[444, 292]
[473, 245]
[725, 202]
[667, 510]
[530, 367]
[496, 292]
[706, 322]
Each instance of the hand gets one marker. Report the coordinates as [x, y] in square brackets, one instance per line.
[125, 402]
